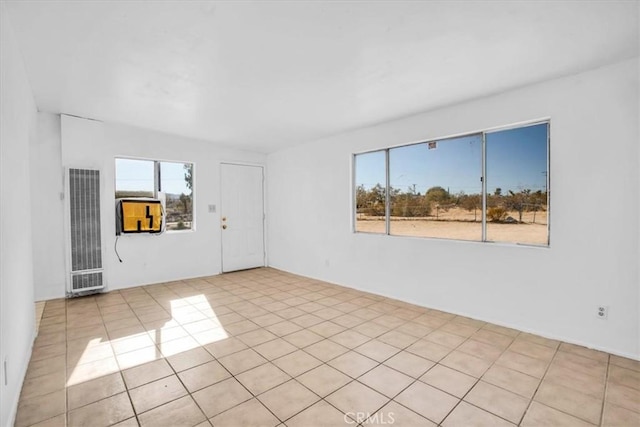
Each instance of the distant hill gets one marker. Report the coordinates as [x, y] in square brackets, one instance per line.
[123, 194]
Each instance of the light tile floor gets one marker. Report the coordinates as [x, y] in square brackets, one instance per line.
[264, 347]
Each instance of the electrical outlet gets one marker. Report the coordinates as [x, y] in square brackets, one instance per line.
[603, 311]
[212, 208]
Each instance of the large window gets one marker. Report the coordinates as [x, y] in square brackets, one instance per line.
[158, 179]
[489, 186]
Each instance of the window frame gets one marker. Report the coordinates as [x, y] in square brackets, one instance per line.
[157, 184]
[483, 177]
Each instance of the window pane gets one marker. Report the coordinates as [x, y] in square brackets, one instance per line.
[134, 178]
[517, 209]
[370, 192]
[176, 181]
[436, 189]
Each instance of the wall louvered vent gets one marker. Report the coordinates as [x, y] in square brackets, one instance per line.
[86, 244]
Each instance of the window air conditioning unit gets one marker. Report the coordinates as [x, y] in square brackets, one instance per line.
[139, 215]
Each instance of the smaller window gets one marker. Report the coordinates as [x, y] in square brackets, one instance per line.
[172, 181]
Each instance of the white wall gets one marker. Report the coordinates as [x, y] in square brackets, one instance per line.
[593, 258]
[47, 209]
[17, 128]
[152, 258]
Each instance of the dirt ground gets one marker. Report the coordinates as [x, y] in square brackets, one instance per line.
[460, 225]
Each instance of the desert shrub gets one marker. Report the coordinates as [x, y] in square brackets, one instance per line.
[497, 214]
[409, 205]
[437, 195]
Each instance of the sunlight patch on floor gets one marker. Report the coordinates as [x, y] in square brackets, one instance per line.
[190, 317]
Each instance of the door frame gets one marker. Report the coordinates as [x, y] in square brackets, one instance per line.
[264, 207]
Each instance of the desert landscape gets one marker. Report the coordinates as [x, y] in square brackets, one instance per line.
[461, 224]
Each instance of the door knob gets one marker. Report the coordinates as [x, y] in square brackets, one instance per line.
[224, 227]
[224, 218]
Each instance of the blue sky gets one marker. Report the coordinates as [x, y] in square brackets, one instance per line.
[516, 160]
[137, 175]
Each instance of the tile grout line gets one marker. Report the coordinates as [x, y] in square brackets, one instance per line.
[300, 374]
[513, 339]
[190, 394]
[531, 400]
[234, 377]
[461, 399]
[606, 390]
[176, 373]
[66, 367]
[120, 370]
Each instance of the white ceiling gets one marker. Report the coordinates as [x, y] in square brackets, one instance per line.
[270, 74]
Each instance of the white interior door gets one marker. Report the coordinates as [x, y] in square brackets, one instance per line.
[242, 217]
